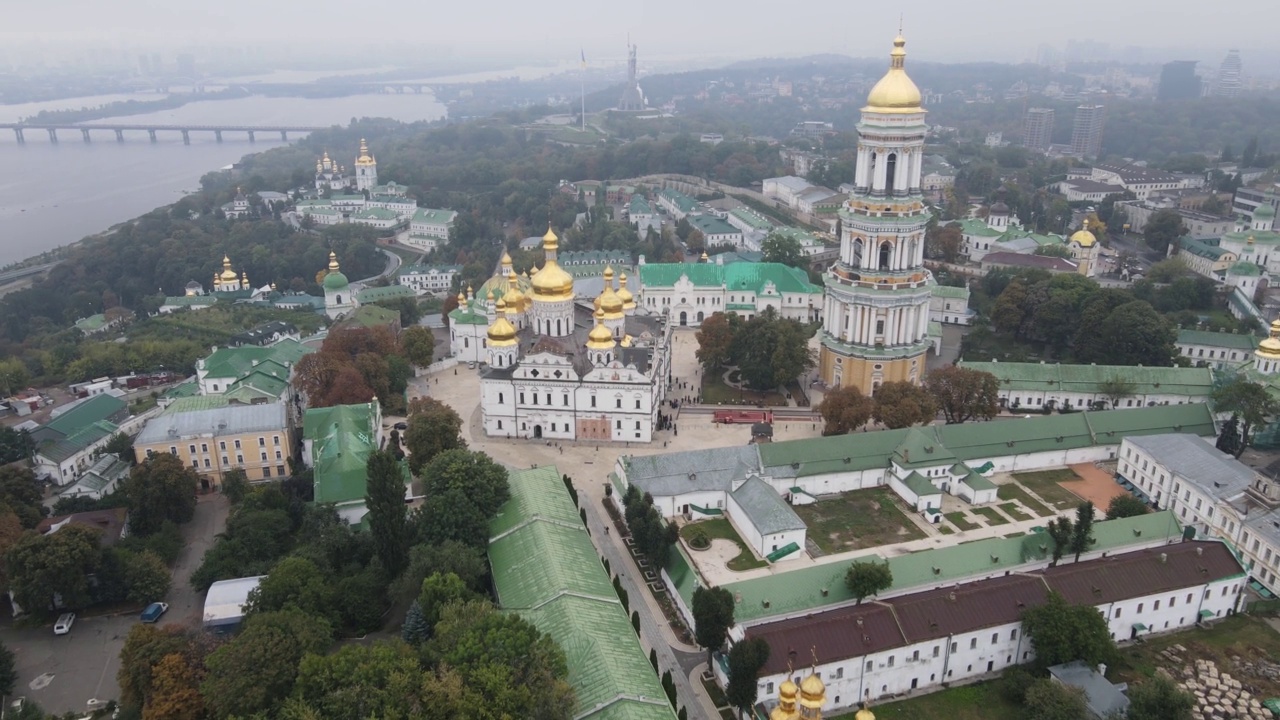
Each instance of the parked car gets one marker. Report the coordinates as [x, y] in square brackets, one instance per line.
[63, 626]
[154, 611]
[402, 426]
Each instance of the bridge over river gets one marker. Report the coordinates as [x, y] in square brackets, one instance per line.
[20, 129]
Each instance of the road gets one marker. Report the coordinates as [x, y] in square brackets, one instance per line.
[69, 673]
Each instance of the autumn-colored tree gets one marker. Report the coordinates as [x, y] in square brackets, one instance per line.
[144, 648]
[314, 374]
[715, 338]
[450, 304]
[945, 242]
[844, 410]
[903, 404]
[351, 342]
[963, 394]
[175, 691]
[348, 388]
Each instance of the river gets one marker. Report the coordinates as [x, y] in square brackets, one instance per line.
[55, 194]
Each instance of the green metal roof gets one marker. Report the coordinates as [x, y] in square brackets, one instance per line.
[1202, 249]
[66, 447]
[977, 482]
[98, 407]
[190, 300]
[712, 225]
[639, 206]
[1246, 268]
[1260, 237]
[801, 590]
[765, 508]
[734, 276]
[920, 485]
[238, 362]
[368, 316]
[390, 292]
[751, 219]
[1054, 377]
[948, 291]
[432, 216]
[1234, 341]
[342, 438]
[189, 388]
[546, 569]
[922, 448]
[376, 214]
[979, 440]
[467, 317]
[978, 227]
[196, 402]
[682, 201]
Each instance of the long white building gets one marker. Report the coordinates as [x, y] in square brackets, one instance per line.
[910, 643]
[691, 292]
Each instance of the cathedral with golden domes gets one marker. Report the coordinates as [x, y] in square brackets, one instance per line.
[558, 366]
[875, 319]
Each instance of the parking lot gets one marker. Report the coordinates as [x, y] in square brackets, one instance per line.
[63, 673]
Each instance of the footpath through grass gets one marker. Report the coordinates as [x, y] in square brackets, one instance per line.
[721, 529]
[1045, 484]
[857, 519]
[1013, 491]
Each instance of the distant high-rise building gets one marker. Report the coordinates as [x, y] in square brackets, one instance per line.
[1037, 129]
[1229, 75]
[1086, 132]
[1178, 81]
[632, 95]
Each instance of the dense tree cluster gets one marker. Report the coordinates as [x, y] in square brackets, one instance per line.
[769, 351]
[354, 365]
[653, 536]
[1251, 406]
[433, 428]
[1074, 318]
[1062, 633]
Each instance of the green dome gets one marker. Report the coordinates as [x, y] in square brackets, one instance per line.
[335, 281]
[1264, 210]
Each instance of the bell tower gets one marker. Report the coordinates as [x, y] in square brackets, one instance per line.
[876, 305]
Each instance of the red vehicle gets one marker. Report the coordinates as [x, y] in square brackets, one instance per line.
[730, 417]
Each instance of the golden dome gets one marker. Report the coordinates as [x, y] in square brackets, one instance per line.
[812, 692]
[610, 303]
[364, 158]
[502, 333]
[788, 690]
[1084, 237]
[228, 274]
[462, 301]
[333, 261]
[895, 92]
[704, 257]
[864, 714]
[533, 271]
[628, 300]
[1270, 347]
[515, 299]
[506, 259]
[489, 295]
[552, 283]
[600, 338]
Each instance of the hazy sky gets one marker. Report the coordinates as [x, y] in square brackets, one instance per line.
[943, 30]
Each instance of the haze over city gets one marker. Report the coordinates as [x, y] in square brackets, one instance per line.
[999, 30]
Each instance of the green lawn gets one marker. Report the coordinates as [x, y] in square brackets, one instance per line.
[993, 518]
[958, 519]
[946, 530]
[716, 392]
[981, 701]
[720, 529]
[984, 345]
[858, 519]
[1014, 511]
[1013, 491]
[216, 325]
[1045, 484]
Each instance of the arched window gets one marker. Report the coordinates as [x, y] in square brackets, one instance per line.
[890, 168]
[338, 299]
[857, 252]
[886, 252]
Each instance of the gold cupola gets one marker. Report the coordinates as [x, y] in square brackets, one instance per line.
[1085, 238]
[502, 333]
[628, 300]
[364, 158]
[600, 338]
[787, 692]
[462, 302]
[610, 303]
[506, 262]
[228, 275]
[1269, 348]
[516, 301]
[895, 93]
[552, 283]
[813, 694]
[864, 714]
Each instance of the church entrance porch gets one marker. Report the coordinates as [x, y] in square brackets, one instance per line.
[537, 432]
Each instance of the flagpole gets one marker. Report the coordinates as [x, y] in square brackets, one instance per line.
[582, 78]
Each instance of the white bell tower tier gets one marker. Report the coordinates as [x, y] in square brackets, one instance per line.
[876, 304]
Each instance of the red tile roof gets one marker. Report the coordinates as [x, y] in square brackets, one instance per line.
[1145, 572]
[844, 633]
[969, 607]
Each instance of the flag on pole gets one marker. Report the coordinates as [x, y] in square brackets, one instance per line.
[584, 58]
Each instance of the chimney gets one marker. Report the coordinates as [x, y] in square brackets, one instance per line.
[1200, 551]
[1164, 558]
[1102, 669]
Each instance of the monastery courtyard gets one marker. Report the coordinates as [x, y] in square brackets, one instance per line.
[1027, 500]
